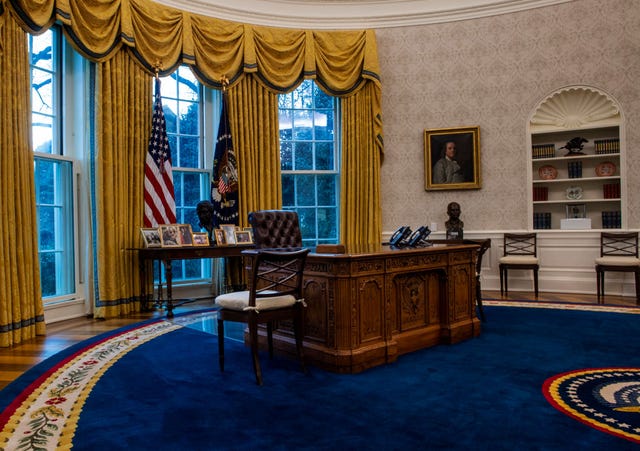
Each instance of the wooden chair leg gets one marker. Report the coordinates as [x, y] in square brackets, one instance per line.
[506, 281]
[501, 282]
[221, 344]
[535, 281]
[253, 339]
[637, 274]
[600, 287]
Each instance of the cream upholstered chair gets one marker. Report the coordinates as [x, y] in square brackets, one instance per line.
[520, 252]
[618, 252]
[275, 294]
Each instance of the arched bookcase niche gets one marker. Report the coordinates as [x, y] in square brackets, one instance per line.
[576, 154]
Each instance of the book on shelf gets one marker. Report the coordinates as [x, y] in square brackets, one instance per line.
[574, 169]
[543, 151]
[611, 190]
[608, 145]
[542, 220]
[611, 219]
[540, 193]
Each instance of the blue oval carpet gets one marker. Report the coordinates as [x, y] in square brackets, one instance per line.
[157, 386]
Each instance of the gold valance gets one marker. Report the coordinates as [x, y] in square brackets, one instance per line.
[341, 61]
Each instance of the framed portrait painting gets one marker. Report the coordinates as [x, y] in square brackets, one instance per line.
[452, 158]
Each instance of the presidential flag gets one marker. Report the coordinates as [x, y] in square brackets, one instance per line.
[224, 186]
[159, 198]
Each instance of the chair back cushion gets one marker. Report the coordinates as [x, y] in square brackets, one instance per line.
[275, 229]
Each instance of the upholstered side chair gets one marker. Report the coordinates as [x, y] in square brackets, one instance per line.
[618, 252]
[520, 252]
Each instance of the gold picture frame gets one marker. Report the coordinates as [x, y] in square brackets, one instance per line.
[219, 236]
[170, 235]
[229, 233]
[200, 239]
[452, 158]
[244, 237]
[186, 234]
[151, 237]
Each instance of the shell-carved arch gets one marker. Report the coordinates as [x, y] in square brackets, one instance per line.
[575, 107]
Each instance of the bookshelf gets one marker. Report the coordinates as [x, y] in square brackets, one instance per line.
[576, 188]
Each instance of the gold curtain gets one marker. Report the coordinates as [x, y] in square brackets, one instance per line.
[123, 125]
[361, 217]
[253, 113]
[21, 310]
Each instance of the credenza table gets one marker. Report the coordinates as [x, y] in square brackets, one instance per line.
[167, 254]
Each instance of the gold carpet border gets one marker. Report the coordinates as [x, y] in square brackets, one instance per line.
[563, 306]
[61, 397]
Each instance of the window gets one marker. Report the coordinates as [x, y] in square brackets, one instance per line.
[309, 160]
[183, 105]
[54, 173]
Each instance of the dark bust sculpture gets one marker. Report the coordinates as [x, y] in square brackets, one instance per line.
[204, 210]
[454, 225]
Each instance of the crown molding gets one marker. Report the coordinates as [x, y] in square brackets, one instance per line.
[352, 14]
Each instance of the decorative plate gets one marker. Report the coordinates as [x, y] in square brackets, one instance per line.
[574, 193]
[547, 172]
[606, 169]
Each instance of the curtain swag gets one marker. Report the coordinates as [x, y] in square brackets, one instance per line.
[157, 35]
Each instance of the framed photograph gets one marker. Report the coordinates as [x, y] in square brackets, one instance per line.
[186, 237]
[575, 211]
[200, 239]
[151, 237]
[229, 233]
[243, 237]
[170, 235]
[220, 239]
[452, 158]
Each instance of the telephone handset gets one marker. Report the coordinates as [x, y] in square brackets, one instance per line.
[419, 236]
[399, 236]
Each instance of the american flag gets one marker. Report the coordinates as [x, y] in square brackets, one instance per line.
[159, 198]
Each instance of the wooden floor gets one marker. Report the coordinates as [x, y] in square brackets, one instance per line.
[16, 360]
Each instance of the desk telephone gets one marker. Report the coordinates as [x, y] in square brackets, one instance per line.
[405, 237]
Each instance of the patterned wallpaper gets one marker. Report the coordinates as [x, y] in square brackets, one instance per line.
[493, 72]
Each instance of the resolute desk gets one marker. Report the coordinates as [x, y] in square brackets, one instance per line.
[368, 306]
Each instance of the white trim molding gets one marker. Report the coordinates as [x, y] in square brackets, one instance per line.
[352, 14]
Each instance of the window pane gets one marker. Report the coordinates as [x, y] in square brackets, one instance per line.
[303, 156]
[324, 156]
[189, 149]
[288, 190]
[305, 190]
[327, 190]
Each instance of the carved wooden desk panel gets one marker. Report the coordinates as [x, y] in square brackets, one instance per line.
[367, 307]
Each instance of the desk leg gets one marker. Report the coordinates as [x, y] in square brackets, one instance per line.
[169, 277]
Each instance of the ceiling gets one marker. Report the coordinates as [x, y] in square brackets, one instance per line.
[351, 14]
